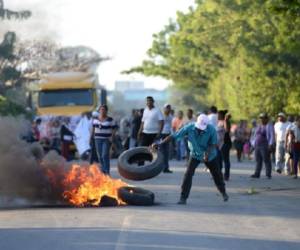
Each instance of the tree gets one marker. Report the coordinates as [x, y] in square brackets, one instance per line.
[236, 54]
[9, 14]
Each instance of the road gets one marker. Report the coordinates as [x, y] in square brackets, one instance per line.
[269, 218]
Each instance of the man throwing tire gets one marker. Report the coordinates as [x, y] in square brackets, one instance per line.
[202, 142]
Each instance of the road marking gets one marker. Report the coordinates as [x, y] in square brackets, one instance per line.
[123, 234]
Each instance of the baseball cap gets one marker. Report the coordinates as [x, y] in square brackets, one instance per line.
[95, 114]
[167, 105]
[281, 114]
[263, 115]
[202, 122]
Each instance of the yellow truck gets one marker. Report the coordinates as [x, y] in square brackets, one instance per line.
[69, 94]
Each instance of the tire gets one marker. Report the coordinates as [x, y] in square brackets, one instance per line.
[136, 196]
[128, 164]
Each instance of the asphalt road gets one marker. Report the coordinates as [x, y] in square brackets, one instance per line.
[269, 218]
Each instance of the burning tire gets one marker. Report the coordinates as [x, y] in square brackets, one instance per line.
[130, 164]
[136, 196]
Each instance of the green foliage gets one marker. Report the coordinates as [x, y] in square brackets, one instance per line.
[8, 107]
[9, 74]
[240, 55]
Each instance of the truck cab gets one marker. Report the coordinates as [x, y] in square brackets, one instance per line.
[69, 94]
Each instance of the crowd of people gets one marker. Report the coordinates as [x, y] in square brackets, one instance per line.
[266, 141]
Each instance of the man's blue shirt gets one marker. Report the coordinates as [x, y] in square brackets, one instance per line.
[199, 140]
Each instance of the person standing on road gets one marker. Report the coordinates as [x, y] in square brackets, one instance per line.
[224, 122]
[202, 141]
[103, 129]
[239, 135]
[190, 119]
[152, 123]
[66, 138]
[177, 124]
[165, 133]
[264, 141]
[280, 132]
[135, 124]
[295, 129]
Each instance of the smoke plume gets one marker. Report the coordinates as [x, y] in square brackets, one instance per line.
[21, 172]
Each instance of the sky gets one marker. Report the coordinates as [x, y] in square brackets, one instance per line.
[120, 29]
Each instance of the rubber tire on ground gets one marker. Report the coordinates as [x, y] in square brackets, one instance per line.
[138, 173]
[136, 196]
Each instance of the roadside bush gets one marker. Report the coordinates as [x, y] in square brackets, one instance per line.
[9, 108]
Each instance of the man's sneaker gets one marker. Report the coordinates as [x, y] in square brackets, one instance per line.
[225, 197]
[269, 177]
[254, 176]
[182, 201]
[168, 171]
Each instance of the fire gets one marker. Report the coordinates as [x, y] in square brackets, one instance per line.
[83, 185]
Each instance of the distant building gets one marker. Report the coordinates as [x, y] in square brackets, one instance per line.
[132, 94]
[136, 95]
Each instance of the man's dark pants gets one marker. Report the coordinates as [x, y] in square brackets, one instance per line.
[214, 169]
[225, 155]
[262, 154]
[148, 139]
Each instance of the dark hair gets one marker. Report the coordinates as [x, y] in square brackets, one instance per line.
[38, 120]
[103, 106]
[150, 98]
[190, 110]
[213, 109]
[222, 113]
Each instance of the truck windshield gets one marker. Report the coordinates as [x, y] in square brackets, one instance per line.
[66, 97]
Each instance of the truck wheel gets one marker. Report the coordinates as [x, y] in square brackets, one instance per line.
[136, 196]
[130, 164]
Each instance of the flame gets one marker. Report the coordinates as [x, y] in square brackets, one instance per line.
[83, 185]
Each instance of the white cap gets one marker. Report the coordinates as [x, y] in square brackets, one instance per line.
[201, 122]
[167, 105]
[95, 114]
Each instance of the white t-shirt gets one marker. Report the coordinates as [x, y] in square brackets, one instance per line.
[167, 125]
[280, 130]
[213, 120]
[151, 118]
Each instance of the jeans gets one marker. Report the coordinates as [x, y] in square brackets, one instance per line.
[215, 171]
[164, 149]
[296, 157]
[180, 149]
[103, 148]
[280, 153]
[132, 142]
[262, 154]
[93, 153]
[187, 148]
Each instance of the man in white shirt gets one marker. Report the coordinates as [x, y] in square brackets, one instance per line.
[280, 128]
[152, 123]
